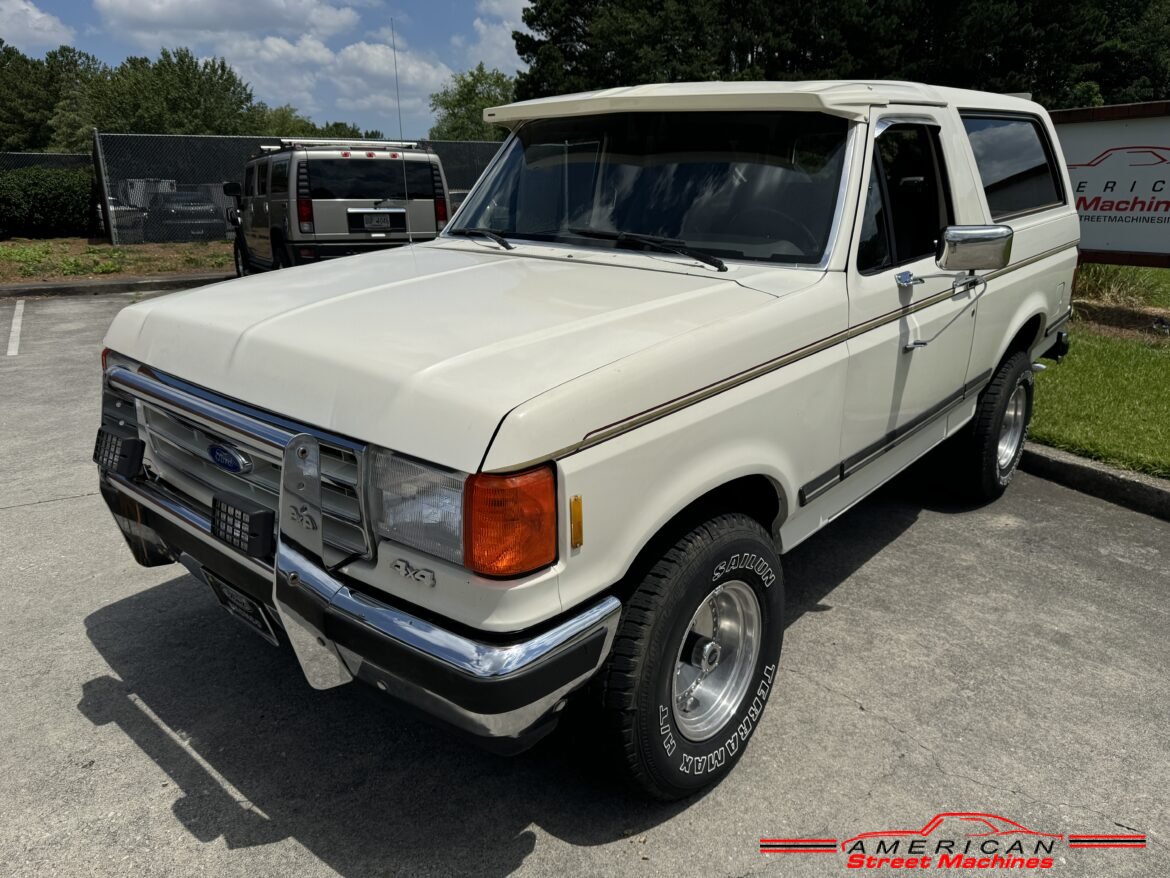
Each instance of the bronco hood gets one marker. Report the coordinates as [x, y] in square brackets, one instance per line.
[422, 350]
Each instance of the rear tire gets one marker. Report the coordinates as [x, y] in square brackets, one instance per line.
[986, 454]
[695, 658]
[280, 257]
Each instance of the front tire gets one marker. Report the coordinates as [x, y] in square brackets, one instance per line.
[987, 453]
[695, 657]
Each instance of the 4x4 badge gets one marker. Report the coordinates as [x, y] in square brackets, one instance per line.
[300, 515]
[418, 574]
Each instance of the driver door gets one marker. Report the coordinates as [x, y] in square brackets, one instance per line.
[910, 342]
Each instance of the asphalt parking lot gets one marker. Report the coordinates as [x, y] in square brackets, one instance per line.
[1009, 660]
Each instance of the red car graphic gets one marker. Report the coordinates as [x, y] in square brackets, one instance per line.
[1140, 156]
[959, 824]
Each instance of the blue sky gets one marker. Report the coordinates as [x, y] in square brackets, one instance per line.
[329, 58]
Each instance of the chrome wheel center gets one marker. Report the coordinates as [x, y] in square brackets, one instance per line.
[715, 660]
[1011, 433]
[708, 656]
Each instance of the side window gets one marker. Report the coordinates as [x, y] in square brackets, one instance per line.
[249, 180]
[909, 201]
[873, 251]
[1015, 163]
[279, 177]
[262, 178]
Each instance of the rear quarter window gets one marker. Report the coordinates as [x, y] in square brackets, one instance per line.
[1016, 164]
[279, 177]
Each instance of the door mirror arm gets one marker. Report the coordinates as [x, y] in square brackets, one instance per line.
[960, 281]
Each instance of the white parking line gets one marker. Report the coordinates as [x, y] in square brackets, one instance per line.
[14, 333]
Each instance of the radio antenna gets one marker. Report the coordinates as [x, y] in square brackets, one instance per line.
[401, 133]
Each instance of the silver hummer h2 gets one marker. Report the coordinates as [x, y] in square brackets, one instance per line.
[309, 200]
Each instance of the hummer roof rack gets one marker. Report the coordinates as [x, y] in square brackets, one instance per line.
[336, 143]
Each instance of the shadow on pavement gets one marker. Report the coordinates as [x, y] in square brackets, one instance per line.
[349, 774]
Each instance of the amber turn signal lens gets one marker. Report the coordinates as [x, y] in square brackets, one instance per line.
[510, 522]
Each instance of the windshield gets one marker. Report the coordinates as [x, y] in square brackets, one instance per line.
[370, 178]
[751, 185]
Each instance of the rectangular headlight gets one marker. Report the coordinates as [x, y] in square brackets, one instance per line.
[418, 505]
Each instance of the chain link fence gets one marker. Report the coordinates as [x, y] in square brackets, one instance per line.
[152, 185]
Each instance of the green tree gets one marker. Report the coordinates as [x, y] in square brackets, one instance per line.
[27, 101]
[72, 121]
[286, 121]
[1134, 53]
[72, 75]
[460, 103]
[55, 101]
[339, 129]
[559, 49]
[177, 94]
[1065, 52]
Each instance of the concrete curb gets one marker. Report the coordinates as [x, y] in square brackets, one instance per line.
[1135, 491]
[166, 283]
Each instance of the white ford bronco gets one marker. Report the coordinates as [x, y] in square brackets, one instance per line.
[673, 331]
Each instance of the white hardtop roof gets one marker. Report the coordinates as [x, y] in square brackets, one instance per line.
[848, 98]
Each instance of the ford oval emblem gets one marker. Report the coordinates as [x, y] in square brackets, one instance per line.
[228, 458]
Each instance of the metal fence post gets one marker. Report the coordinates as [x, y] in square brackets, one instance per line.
[99, 169]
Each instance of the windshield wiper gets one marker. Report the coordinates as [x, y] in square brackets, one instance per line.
[485, 233]
[669, 245]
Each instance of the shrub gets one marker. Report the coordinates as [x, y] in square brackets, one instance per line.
[1123, 286]
[45, 202]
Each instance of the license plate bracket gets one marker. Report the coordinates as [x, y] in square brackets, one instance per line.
[377, 220]
[242, 607]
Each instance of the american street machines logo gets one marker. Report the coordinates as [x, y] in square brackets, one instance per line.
[953, 840]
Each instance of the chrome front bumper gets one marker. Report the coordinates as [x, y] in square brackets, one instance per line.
[507, 691]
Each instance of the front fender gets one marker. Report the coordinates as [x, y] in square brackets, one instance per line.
[626, 503]
[784, 427]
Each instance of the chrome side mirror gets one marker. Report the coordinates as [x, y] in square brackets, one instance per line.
[974, 248]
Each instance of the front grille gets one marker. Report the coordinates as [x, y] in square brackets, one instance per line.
[178, 456]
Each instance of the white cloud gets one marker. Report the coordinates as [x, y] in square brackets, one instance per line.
[362, 75]
[279, 71]
[509, 10]
[278, 50]
[493, 43]
[147, 21]
[28, 27]
[376, 60]
[386, 105]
